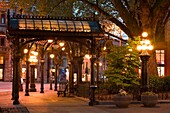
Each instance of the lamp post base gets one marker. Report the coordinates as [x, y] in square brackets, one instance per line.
[27, 94]
[33, 90]
[42, 90]
[93, 103]
[92, 97]
[32, 87]
[16, 102]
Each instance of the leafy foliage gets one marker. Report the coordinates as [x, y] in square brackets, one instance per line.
[159, 84]
[148, 93]
[123, 62]
[82, 9]
[156, 83]
[44, 7]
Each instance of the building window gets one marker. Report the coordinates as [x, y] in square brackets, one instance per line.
[1, 60]
[1, 74]
[160, 59]
[2, 41]
[2, 18]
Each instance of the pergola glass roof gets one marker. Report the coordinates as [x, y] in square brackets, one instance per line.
[54, 25]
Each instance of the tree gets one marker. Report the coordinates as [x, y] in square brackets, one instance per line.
[43, 7]
[123, 63]
[137, 16]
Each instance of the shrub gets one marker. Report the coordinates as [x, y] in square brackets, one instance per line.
[123, 61]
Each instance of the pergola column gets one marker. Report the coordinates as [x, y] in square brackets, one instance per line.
[56, 77]
[32, 84]
[27, 77]
[79, 74]
[42, 75]
[16, 76]
[71, 82]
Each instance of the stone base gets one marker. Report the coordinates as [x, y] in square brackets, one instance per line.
[33, 90]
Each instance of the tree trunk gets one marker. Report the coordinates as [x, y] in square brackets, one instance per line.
[152, 65]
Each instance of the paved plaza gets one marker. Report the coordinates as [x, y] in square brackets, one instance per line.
[48, 102]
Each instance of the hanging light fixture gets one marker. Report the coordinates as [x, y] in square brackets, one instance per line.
[52, 55]
[50, 40]
[25, 51]
[61, 44]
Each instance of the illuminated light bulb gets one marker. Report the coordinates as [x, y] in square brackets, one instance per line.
[144, 34]
[147, 42]
[104, 48]
[61, 44]
[150, 47]
[130, 49]
[139, 47]
[35, 60]
[53, 70]
[50, 41]
[87, 56]
[32, 57]
[141, 42]
[35, 53]
[63, 49]
[25, 50]
[144, 47]
[51, 55]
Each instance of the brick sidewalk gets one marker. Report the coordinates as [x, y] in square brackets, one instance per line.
[14, 110]
[49, 102]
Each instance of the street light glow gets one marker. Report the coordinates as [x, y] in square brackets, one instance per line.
[100, 64]
[87, 56]
[33, 59]
[50, 41]
[61, 44]
[34, 53]
[144, 34]
[51, 55]
[145, 45]
[150, 47]
[104, 48]
[53, 70]
[25, 51]
[63, 48]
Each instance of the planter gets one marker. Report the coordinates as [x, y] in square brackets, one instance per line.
[122, 101]
[149, 100]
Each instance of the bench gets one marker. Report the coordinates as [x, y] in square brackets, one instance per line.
[63, 89]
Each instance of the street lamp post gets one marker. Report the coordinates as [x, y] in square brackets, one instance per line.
[144, 56]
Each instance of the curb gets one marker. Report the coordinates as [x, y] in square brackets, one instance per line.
[112, 102]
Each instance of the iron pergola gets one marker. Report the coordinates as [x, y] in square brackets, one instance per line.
[22, 30]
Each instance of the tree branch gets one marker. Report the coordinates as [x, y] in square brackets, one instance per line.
[56, 5]
[109, 17]
[130, 22]
[159, 10]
